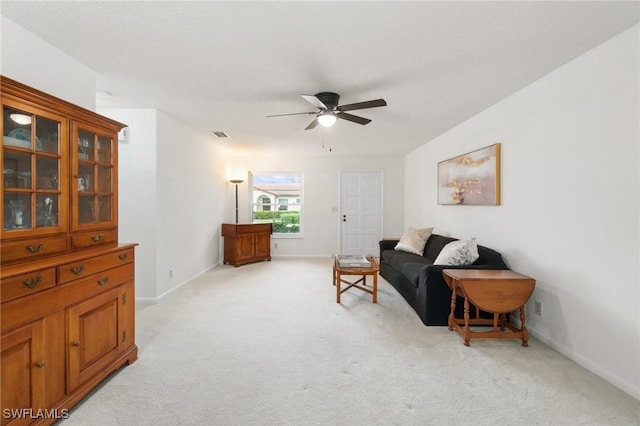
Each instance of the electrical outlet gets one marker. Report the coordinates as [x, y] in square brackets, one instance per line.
[170, 273]
[537, 308]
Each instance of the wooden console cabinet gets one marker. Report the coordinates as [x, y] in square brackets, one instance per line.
[246, 243]
[66, 285]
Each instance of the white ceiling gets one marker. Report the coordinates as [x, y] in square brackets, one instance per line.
[226, 65]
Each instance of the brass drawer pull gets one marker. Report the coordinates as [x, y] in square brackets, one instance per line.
[35, 249]
[41, 364]
[33, 282]
[96, 238]
[123, 256]
[77, 270]
[103, 281]
[76, 344]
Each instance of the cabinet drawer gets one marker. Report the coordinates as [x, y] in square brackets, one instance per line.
[27, 249]
[231, 230]
[253, 228]
[75, 270]
[95, 238]
[25, 284]
[25, 309]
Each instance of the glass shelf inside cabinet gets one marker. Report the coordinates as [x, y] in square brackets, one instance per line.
[17, 211]
[16, 169]
[85, 145]
[104, 149]
[94, 178]
[17, 126]
[47, 136]
[31, 170]
[46, 210]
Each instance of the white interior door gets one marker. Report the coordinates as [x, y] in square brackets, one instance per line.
[361, 212]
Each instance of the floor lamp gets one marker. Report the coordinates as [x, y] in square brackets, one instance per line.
[236, 182]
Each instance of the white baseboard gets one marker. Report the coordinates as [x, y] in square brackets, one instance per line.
[154, 300]
[619, 382]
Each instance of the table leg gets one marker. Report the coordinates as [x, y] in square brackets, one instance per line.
[338, 281]
[453, 308]
[375, 287]
[523, 327]
[467, 330]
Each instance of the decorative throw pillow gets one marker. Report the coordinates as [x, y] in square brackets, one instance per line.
[413, 240]
[460, 252]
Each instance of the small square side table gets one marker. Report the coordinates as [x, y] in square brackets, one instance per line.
[339, 271]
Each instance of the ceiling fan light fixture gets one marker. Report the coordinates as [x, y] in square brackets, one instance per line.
[327, 119]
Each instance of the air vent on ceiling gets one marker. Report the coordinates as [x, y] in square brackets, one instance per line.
[219, 134]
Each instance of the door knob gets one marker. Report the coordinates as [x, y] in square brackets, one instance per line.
[76, 344]
[344, 217]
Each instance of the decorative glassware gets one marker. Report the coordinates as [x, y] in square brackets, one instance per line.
[17, 212]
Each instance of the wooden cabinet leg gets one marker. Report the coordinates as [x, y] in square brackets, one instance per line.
[523, 327]
[467, 330]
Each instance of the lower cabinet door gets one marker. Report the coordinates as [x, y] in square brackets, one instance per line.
[54, 355]
[245, 247]
[23, 374]
[263, 245]
[94, 335]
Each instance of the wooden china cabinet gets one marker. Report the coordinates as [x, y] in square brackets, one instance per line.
[67, 285]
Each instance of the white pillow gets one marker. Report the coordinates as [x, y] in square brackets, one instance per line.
[414, 240]
[460, 252]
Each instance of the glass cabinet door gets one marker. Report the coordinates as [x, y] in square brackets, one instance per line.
[94, 176]
[33, 168]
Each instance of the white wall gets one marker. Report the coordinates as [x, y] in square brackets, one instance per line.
[172, 199]
[137, 194]
[321, 225]
[570, 203]
[192, 202]
[30, 60]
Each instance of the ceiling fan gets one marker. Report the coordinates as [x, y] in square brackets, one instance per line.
[329, 110]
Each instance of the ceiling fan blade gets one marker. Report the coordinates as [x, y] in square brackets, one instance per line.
[311, 125]
[353, 118]
[292, 113]
[313, 100]
[362, 105]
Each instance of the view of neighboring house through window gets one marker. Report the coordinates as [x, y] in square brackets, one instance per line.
[277, 198]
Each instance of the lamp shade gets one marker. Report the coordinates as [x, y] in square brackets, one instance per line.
[327, 119]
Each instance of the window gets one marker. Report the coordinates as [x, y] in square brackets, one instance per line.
[277, 198]
[265, 202]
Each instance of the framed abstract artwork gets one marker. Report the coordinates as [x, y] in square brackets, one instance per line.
[471, 179]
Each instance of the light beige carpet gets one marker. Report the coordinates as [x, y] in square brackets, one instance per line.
[267, 344]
